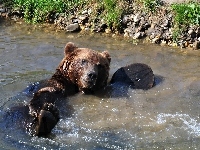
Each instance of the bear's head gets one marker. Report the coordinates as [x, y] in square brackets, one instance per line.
[86, 68]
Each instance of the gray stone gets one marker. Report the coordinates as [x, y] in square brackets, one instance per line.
[73, 27]
[137, 35]
[196, 45]
[3, 10]
[84, 12]
[136, 18]
[76, 21]
[190, 31]
[125, 19]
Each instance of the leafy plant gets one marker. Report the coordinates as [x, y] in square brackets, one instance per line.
[186, 13]
[112, 12]
[176, 33]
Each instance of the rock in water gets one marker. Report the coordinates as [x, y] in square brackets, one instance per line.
[137, 76]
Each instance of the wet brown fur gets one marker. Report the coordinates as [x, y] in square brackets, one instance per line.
[70, 77]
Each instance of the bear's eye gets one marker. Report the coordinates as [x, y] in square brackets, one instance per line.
[83, 61]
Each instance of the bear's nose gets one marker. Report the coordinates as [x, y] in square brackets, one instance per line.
[92, 75]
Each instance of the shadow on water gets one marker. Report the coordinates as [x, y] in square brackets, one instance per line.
[121, 89]
[3, 22]
[158, 80]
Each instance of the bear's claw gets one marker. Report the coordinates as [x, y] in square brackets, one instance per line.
[46, 120]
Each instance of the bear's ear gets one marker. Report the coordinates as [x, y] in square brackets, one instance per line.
[106, 55]
[70, 47]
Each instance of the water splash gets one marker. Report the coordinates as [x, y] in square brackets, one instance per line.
[183, 121]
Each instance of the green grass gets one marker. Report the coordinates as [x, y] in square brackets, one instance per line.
[111, 12]
[185, 14]
[151, 5]
[38, 10]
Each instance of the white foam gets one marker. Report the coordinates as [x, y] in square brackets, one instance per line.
[189, 124]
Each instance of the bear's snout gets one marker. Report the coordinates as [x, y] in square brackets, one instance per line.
[92, 75]
[89, 79]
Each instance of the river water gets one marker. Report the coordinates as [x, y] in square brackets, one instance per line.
[164, 117]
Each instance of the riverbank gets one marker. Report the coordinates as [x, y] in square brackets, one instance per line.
[155, 21]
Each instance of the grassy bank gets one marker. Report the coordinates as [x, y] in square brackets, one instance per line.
[38, 10]
[35, 11]
[110, 11]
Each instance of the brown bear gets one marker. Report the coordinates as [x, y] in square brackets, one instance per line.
[81, 69]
